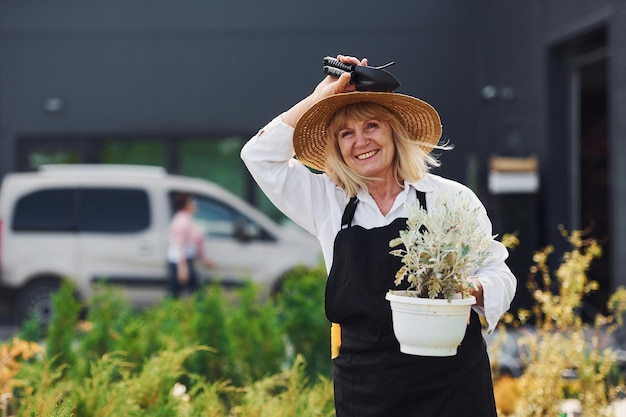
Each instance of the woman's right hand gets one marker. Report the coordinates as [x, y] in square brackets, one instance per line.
[326, 88]
[333, 85]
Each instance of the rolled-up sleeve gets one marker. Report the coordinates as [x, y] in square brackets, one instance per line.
[498, 282]
[499, 285]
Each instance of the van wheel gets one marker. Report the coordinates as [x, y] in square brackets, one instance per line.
[36, 300]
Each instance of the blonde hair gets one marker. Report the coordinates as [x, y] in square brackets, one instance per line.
[410, 162]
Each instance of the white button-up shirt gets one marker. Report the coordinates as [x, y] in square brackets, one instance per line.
[316, 203]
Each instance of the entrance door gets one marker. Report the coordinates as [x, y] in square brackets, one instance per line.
[590, 180]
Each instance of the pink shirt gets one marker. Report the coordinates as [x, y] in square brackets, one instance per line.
[186, 239]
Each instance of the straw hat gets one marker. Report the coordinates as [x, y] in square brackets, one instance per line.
[311, 132]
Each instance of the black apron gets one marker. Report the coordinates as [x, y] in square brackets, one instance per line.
[371, 376]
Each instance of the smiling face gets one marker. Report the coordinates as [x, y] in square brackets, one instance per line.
[367, 146]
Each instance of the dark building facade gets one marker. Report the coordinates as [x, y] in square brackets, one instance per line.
[183, 84]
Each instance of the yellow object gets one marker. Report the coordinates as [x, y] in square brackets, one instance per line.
[508, 164]
[335, 340]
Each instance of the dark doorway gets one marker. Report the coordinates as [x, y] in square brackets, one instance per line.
[593, 182]
[578, 190]
[590, 180]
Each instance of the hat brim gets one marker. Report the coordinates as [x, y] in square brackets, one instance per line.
[310, 136]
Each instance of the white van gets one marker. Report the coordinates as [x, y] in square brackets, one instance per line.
[109, 223]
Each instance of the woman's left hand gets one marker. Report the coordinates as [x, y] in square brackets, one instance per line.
[477, 291]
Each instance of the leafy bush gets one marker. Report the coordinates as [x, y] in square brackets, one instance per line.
[60, 338]
[301, 307]
[114, 390]
[219, 351]
[109, 313]
[209, 326]
[257, 337]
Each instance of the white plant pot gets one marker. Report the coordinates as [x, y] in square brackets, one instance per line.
[428, 327]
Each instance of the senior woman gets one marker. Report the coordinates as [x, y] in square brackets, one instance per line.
[372, 154]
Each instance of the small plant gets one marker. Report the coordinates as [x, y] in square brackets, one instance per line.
[442, 246]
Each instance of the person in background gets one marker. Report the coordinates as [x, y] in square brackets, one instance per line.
[372, 152]
[186, 245]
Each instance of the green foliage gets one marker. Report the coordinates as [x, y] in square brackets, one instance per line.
[141, 337]
[61, 330]
[108, 314]
[113, 389]
[208, 326]
[288, 394]
[301, 307]
[31, 329]
[45, 390]
[257, 337]
[189, 356]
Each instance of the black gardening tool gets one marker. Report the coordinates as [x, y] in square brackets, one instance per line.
[365, 78]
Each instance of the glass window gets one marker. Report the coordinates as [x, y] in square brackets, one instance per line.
[216, 160]
[133, 151]
[46, 157]
[215, 219]
[222, 221]
[46, 210]
[114, 210]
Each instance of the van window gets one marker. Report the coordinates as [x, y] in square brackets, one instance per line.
[45, 210]
[105, 210]
[220, 220]
[114, 210]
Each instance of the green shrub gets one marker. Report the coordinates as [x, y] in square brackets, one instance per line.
[31, 329]
[301, 307]
[288, 394]
[122, 362]
[109, 313]
[44, 390]
[62, 328]
[114, 389]
[208, 326]
[259, 347]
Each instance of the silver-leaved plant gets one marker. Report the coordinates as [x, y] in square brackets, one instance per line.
[442, 246]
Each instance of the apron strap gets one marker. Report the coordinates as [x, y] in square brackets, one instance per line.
[348, 213]
[421, 197]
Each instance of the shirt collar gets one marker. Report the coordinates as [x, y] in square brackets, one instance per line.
[425, 184]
